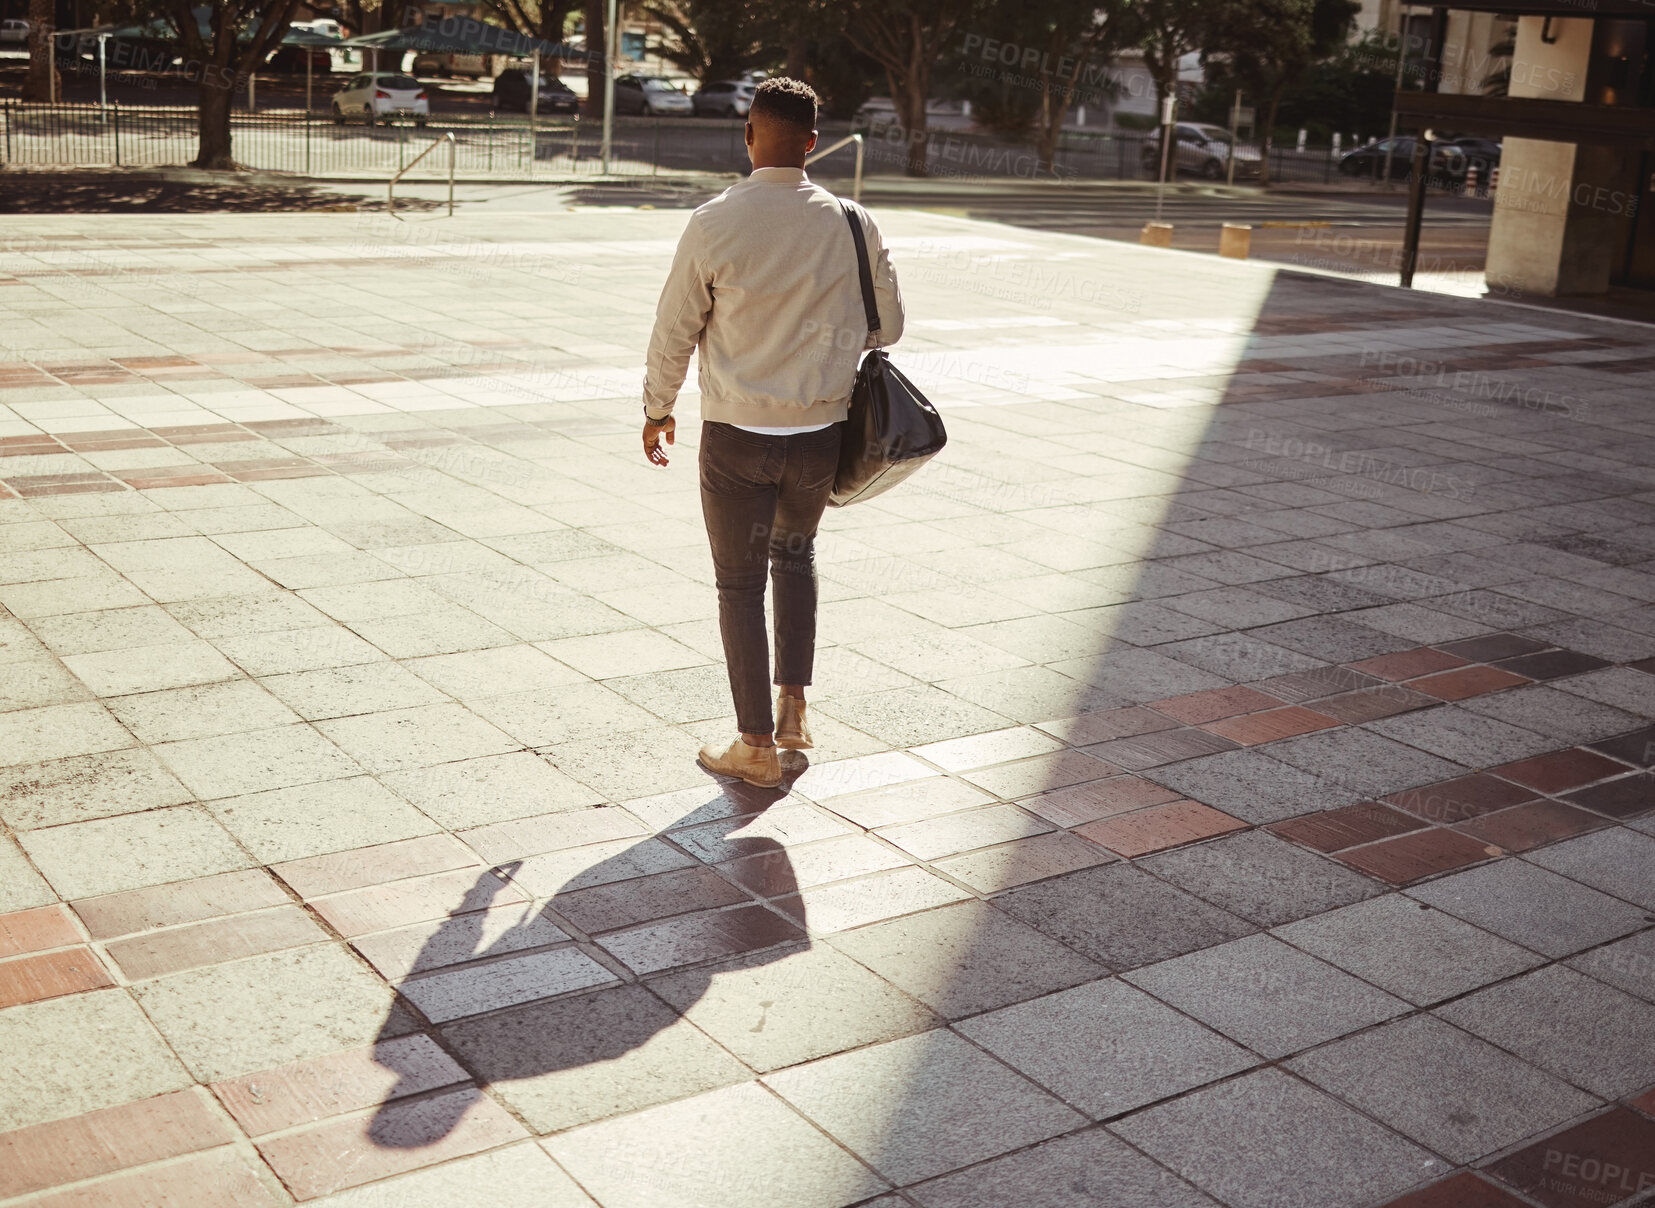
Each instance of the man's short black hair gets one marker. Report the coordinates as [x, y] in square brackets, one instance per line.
[787, 100]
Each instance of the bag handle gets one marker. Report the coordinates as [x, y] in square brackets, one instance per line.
[863, 270]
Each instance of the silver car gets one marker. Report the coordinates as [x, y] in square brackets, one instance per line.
[1202, 149]
[651, 95]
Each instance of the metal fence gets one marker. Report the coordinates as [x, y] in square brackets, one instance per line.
[504, 147]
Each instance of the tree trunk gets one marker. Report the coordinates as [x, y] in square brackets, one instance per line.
[1269, 136]
[41, 83]
[1055, 95]
[798, 58]
[213, 119]
[916, 88]
[597, 58]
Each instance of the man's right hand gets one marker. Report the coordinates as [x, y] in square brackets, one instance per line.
[652, 439]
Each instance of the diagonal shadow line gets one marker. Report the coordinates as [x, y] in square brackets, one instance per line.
[750, 929]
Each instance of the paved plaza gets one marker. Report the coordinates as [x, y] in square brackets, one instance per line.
[1233, 772]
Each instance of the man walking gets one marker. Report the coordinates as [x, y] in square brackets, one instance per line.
[764, 282]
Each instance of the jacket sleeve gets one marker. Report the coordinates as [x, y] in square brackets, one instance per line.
[680, 318]
[886, 294]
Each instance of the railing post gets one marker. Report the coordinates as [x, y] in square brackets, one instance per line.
[117, 108]
[453, 153]
[655, 158]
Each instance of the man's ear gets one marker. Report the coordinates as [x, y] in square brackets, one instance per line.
[810, 144]
[748, 135]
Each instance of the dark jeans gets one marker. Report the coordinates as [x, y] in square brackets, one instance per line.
[762, 498]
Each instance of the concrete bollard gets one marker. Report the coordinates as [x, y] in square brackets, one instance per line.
[1156, 234]
[1235, 240]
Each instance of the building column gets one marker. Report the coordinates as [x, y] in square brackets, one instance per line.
[1541, 241]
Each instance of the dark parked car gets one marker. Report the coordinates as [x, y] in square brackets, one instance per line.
[513, 86]
[1447, 160]
[1482, 154]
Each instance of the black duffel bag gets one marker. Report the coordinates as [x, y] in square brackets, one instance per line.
[892, 429]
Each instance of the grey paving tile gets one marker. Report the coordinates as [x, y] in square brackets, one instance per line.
[1408, 948]
[1080, 1171]
[1331, 639]
[950, 1105]
[1239, 658]
[495, 788]
[517, 1176]
[1439, 1086]
[1121, 916]
[738, 1146]
[314, 819]
[586, 1057]
[1531, 906]
[1620, 687]
[108, 855]
[1463, 736]
[1255, 787]
[1272, 998]
[1106, 1047]
[1618, 861]
[1585, 1032]
[912, 716]
[966, 958]
[1627, 964]
[21, 887]
[231, 765]
[1267, 1140]
[1261, 878]
[1364, 763]
[86, 786]
[1561, 715]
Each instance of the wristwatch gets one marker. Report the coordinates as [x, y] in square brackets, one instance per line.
[653, 422]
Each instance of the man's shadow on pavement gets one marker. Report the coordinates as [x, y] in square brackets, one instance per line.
[744, 928]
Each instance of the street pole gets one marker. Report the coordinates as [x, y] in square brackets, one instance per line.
[1416, 207]
[534, 105]
[1169, 111]
[1235, 136]
[103, 99]
[611, 38]
[307, 79]
[1401, 58]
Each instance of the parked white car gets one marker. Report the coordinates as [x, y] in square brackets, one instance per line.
[14, 29]
[382, 96]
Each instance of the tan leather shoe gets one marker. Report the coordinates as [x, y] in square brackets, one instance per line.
[758, 766]
[791, 732]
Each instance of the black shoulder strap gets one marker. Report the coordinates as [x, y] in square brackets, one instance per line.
[864, 270]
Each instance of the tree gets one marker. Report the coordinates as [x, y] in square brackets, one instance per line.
[1272, 44]
[716, 39]
[906, 38]
[543, 19]
[222, 42]
[1077, 36]
[597, 58]
[41, 82]
[1167, 31]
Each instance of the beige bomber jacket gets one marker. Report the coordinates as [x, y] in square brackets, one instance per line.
[764, 282]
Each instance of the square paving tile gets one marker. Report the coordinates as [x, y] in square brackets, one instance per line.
[1561, 715]
[1462, 798]
[1348, 826]
[1367, 764]
[1492, 646]
[108, 855]
[1524, 827]
[1627, 797]
[1267, 1140]
[1590, 1034]
[780, 1008]
[733, 1148]
[1618, 861]
[966, 958]
[586, 1057]
[1463, 1190]
[518, 1176]
[1371, 704]
[1465, 737]
[1531, 906]
[1439, 1086]
[1159, 827]
[1560, 771]
[416, 737]
[1410, 949]
[1272, 998]
[941, 1104]
[1256, 787]
[314, 819]
[1604, 1160]
[991, 869]
[202, 711]
[1628, 964]
[235, 764]
[1412, 857]
[1261, 878]
[50, 1071]
[1106, 1047]
[1121, 916]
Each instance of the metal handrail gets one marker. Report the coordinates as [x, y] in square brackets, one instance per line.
[390, 188]
[856, 187]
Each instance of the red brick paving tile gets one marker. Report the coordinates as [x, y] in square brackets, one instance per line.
[316, 875]
[307, 1091]
[1624, 798]
[1407, 858]
[1349, 826]
[1101, 799]
[1408, 664]
[1270, 725]
[1646, 665]
[230, 435]
[181, 902]
[220, 1178]
[197, 480]
[1109, 724]
[1527, 826]
[1551, 664]
[215, 941]
[51, 975]
[100, 1142]
[1460, 799]
[1159, 827]
[1559, 771]
[1606, 1160]
[415, 900]
[1645, 1102]
[36, 930]
[1492, 646]
[1466, 682]
[1371, 704]
[1463, 1190]
[1165, 746]
[400, 1137]
[305, 471]
[1197, 707]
